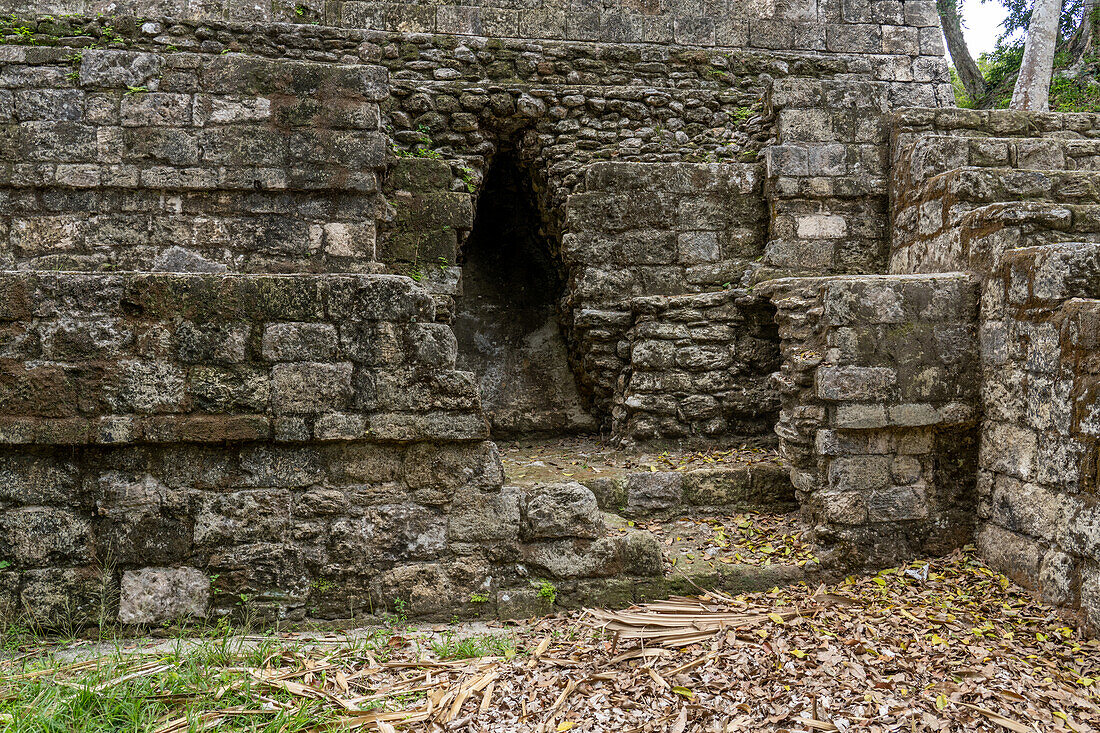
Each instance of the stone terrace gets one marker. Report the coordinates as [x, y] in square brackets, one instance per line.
[277, 277]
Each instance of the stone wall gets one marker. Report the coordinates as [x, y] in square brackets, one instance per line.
[136, 161]
[949, 166]
[699, 367]
[643, 229]
[1038, 457]
[290, 444]
[809, 25]
[568, 109]
[269, 435]
[879, 408]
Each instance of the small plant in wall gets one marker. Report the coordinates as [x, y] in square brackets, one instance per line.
[548, 592]
[479, 598]
[467, 176]
[132, 90]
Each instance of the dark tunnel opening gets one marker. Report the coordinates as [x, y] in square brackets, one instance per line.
[508, 318]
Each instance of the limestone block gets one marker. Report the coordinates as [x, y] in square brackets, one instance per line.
[389, 533]
[310, 386]
[898, 504]
[913, 415]
[1059, 578]
[63, 597]
[653, 491]
[1016, 556]
[700, 246]
[242, 516]
[157, 595]
[178, 259]
[156, 109]
[1009, 448]
[856, 416]
[214, 342]
[821, 226]
[859, 473]
[48, 104]
[299, 342]
[562, 510]
[41, 536]
[339, 426]
[477, 516]
[432, 345]
[432, 467]
[119, 69]
[857, 384]
[39, 479]
[841, 507]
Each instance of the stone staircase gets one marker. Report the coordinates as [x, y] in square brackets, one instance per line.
[960, 197]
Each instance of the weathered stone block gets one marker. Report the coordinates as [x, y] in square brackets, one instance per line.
[653, 491]
[310, 387]
[562, 510]
[857, 384]
[157, 595]
[100, 68]
[859, 473]
[299, 342]
[45, 536]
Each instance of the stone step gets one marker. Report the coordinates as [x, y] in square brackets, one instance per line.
[986, 232]
[928, 220]
[932, 155]
[763, 486]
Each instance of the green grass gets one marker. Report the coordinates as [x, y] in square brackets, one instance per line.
[472, 647]
[196, 677]
[183, 687]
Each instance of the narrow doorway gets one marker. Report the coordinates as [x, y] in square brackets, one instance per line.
[507, 318]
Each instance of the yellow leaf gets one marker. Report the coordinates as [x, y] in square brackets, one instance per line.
[941, 702]
[684, 692]
[798, 653]
[565, 725]
[775, 617]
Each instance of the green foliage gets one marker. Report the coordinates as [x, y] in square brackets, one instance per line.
[17, 31]
[423, 148]
[1074, 94]
[479, 598]
[194, 679]
[548, 592]
[1019, 17]
[962, 99]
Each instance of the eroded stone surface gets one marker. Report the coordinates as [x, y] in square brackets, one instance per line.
[156, 595]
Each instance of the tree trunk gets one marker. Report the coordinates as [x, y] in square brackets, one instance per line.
[1032, 90]
[1085, 36]
[972, 80]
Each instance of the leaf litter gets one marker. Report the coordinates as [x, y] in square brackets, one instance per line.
[942, 645]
